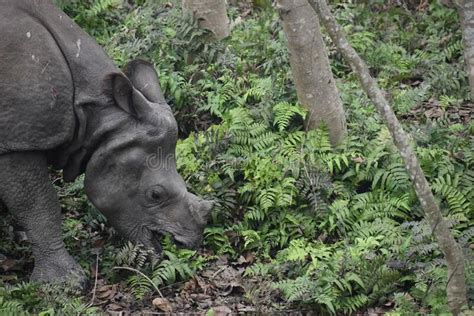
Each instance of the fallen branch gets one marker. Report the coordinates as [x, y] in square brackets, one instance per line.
[456, 287]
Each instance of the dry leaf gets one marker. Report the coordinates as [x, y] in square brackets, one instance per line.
[8, 264]
[190, 285]
[162, 304]
[434, 113]
[105, 292]
[250, 257]
[201, 297]
[221, 310]
[241, 260]
[114, 307]
[247, 258]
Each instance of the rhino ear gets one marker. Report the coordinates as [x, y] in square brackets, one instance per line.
[122, 92]
[144, 78]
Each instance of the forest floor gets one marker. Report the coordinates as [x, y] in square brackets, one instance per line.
[355, 210]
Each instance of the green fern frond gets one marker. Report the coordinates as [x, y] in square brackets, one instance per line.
[284, 113]
[133, 255]
[458, 205]
[393, 177]
[260, 87]
[100, 6]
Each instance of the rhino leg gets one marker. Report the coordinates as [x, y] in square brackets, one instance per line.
[26, 190]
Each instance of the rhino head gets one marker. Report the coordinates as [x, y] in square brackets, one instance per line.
[132, 177]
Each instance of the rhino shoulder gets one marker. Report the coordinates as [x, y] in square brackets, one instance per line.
[36, 86]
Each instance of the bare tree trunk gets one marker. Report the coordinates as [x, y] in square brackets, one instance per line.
[211, 15]
[456, 287]
[466, 13]
[315, 85]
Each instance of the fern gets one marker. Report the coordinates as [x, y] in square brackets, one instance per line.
[100, 6]
[11, 307]
[405, 100]
[393, 178]
[453, 50]
[260, 88]
[457, 202]
[168, 271]
[284, 113]
[133, 255]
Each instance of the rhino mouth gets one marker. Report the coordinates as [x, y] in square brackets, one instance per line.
[154, 238]
[151, 239]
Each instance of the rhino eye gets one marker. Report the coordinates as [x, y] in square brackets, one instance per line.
[156, 194]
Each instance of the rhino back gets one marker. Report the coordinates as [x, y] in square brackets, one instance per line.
[36, 90]
[48, 68]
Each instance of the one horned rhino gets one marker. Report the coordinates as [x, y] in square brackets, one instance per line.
[64, 103]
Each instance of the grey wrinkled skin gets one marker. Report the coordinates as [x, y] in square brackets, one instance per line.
[63, 103]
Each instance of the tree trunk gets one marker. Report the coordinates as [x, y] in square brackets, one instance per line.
[466, 14]
[315, 85]
[456, 287]
[211, 15]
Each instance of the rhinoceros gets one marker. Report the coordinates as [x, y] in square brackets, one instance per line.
[63, 103]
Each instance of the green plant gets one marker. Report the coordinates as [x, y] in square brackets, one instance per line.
[335, 230]
[174, 265]
[25, 298]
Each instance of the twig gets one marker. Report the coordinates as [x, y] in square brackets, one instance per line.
[143, 275]
[95, 281]
[218, 272]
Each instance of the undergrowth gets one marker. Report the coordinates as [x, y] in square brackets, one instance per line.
[337, 230]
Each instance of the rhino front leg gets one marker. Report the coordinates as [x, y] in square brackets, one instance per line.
[26, 190]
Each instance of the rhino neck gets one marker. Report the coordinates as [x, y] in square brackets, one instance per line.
[98, 125]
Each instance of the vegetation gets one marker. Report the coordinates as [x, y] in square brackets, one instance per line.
[331, 230]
